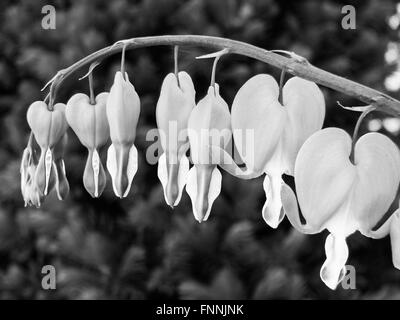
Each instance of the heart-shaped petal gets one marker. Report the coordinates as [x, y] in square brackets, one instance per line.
[47, 126]
[89, 122]
[257, 120]
[377, 160]
[324, 175]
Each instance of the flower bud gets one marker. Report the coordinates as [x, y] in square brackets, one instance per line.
[209, 125]
[172, 114]
[123, 109]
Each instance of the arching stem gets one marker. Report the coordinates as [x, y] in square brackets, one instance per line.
[296, 66]
[176, 66]
[357, 129]
[281, 81]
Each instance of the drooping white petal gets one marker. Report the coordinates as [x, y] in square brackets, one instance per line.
[395, 239]
[62, 185]
[272, 211]
[122, 164]
[173, 179]
[203, 186]
[334, 267]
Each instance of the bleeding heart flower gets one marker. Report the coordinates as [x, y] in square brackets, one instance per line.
[48, 128]
[209, 125]
[174, 106]
[335, 194]
[89, 122]
[268, 134]
[123, 109]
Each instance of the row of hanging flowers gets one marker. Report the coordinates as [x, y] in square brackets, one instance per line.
[343, 184]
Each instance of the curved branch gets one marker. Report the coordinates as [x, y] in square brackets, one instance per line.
[292, 65]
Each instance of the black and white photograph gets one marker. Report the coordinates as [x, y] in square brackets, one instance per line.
[199, 154]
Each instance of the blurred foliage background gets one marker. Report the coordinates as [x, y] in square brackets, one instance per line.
[137, 248]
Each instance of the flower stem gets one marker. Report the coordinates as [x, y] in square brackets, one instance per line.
[295, 66]
[92, 99]
[214, 68]
[357, 129]
[176, 66]
[123, 60]
[281, 81]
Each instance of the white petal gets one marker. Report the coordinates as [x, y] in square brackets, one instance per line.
[132, 167]
[112, 167]
[173, 181]
[324, 175]
[162, 173]
[290, 206]
[377, 159]
[334, 267]
[305, 106]
[48, 160]
[272, 211]
[96, 171]
[182, 177]
[203, 188]
[395, 239]
[257, 120]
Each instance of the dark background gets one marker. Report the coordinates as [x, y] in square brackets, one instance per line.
[138, 248]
